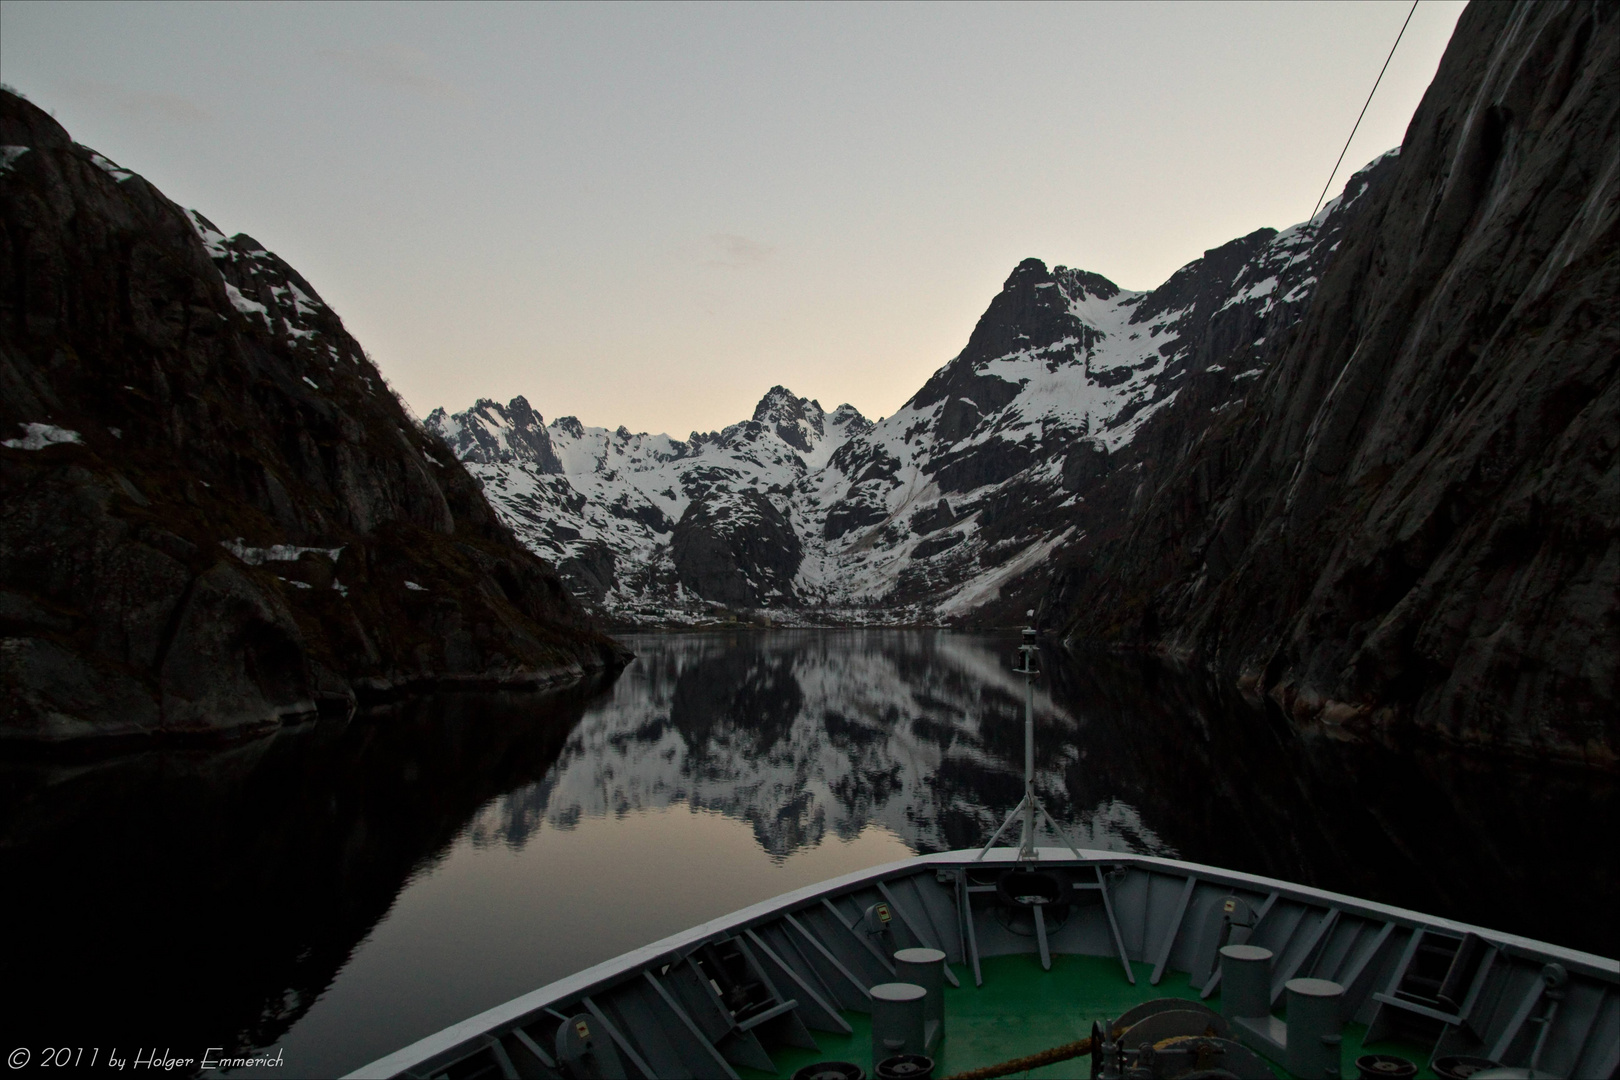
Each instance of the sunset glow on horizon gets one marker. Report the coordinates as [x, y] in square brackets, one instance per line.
[649, 215]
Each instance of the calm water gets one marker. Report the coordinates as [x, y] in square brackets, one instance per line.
[342, 889]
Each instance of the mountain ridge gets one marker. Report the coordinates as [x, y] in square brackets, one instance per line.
[218, 517]
[1414, 522]
[1363, 467]
[929, 514]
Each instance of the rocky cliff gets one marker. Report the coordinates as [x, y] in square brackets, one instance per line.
[216, 513]
[1413, 518]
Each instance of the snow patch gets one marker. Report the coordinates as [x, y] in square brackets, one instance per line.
[9, 156]
[246, 306]
[110, 168]
[212, 238]
[258, 556]
[39, 436]
[1253, 292]
[984, 588]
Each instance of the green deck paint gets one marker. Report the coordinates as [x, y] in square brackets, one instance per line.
[1023, 1010]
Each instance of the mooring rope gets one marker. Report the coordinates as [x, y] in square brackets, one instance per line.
[1024, 1064]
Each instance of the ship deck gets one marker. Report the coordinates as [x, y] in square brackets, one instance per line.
[787, 982]
[1022, 1010]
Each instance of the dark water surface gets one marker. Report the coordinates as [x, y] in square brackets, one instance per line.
[340, 890]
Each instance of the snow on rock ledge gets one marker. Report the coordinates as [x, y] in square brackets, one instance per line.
[39, 436]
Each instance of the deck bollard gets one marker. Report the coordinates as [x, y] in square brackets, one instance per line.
[1245, 981]
[897, 1020]
[925, 968]
[1314, 1039]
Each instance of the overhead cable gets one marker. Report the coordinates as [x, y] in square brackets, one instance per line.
[1376, 81]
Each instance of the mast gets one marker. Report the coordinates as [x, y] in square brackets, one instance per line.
[1030, 810]
[1029, 666]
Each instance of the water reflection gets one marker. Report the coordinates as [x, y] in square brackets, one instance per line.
[1493, 841]
[341, 890]
[806, 733]
[209, 898]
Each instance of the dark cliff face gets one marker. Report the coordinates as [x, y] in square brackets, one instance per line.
[736, 548]
[216, 512]
[1414, 516]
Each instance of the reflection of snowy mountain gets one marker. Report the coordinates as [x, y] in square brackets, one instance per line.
[802, 734]
[973, 485]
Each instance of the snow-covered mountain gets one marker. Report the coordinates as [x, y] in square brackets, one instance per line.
[650, 526]
[956, 503]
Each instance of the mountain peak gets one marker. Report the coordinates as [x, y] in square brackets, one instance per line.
[1030, 268]
[490, 432]
[1020, 429]
[848, 418]
[1080, 284]
[795, 420]
[780, 403]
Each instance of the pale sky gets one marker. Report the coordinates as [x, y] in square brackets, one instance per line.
[648, 214]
